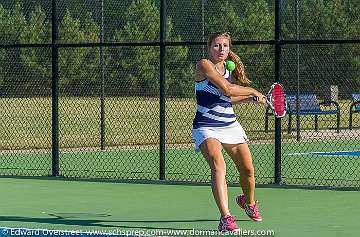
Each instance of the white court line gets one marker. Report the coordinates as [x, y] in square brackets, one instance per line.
[324, 153]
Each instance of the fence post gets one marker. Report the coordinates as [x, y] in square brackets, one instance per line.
[298, 136]
[102, 95]
[277, 79]
[55, 90]
[334, 93]
[162, 87]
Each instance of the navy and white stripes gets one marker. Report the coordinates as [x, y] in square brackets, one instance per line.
[214, 109]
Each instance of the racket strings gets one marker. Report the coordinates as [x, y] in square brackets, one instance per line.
[278, 100]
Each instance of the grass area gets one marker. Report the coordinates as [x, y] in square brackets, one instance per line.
[26, 122]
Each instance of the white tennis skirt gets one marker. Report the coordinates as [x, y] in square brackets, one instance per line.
[233, 134]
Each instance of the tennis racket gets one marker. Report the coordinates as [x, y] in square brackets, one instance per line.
[276, 100]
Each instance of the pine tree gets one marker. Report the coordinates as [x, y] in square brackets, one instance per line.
[135, 70]
[78, 65]
[12, 23]
[37, 60]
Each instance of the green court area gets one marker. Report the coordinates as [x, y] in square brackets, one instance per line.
[58, 204]
[300, 165]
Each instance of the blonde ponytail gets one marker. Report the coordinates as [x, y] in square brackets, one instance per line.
[238, 74]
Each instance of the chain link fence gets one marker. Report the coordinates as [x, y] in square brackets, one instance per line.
[109, 110]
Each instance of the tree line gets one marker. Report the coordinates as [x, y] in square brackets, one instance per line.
[133, 71]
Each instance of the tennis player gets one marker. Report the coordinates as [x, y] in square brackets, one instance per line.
[215, 126]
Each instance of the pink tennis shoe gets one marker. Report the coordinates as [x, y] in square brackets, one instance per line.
[228, 224]
[251, 210]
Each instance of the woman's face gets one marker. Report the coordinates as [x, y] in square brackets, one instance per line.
[219, 48]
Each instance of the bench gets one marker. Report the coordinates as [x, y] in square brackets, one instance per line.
[354, 107]
[308, 106]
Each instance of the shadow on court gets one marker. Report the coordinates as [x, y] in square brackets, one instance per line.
[71, 219]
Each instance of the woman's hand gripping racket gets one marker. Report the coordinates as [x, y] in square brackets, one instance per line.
[276, 100]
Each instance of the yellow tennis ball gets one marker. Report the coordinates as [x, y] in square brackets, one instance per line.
[230, 65]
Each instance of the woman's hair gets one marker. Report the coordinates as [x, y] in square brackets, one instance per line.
[238, 75]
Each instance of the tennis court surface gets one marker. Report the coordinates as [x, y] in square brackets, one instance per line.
[57, 207]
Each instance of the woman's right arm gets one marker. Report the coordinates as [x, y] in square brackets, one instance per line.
[207, 69]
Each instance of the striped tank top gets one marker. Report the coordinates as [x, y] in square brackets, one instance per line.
[214, 109]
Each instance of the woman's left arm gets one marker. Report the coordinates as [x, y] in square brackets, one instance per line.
[241, 99]
[259, 98]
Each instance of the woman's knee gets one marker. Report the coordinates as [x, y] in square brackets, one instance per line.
[248, 171]
[211, 150]
[217, 165]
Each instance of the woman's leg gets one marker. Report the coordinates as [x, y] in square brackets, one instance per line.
[240, 154]
[211, 150]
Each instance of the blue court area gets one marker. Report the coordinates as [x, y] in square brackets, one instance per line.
[328, 153]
